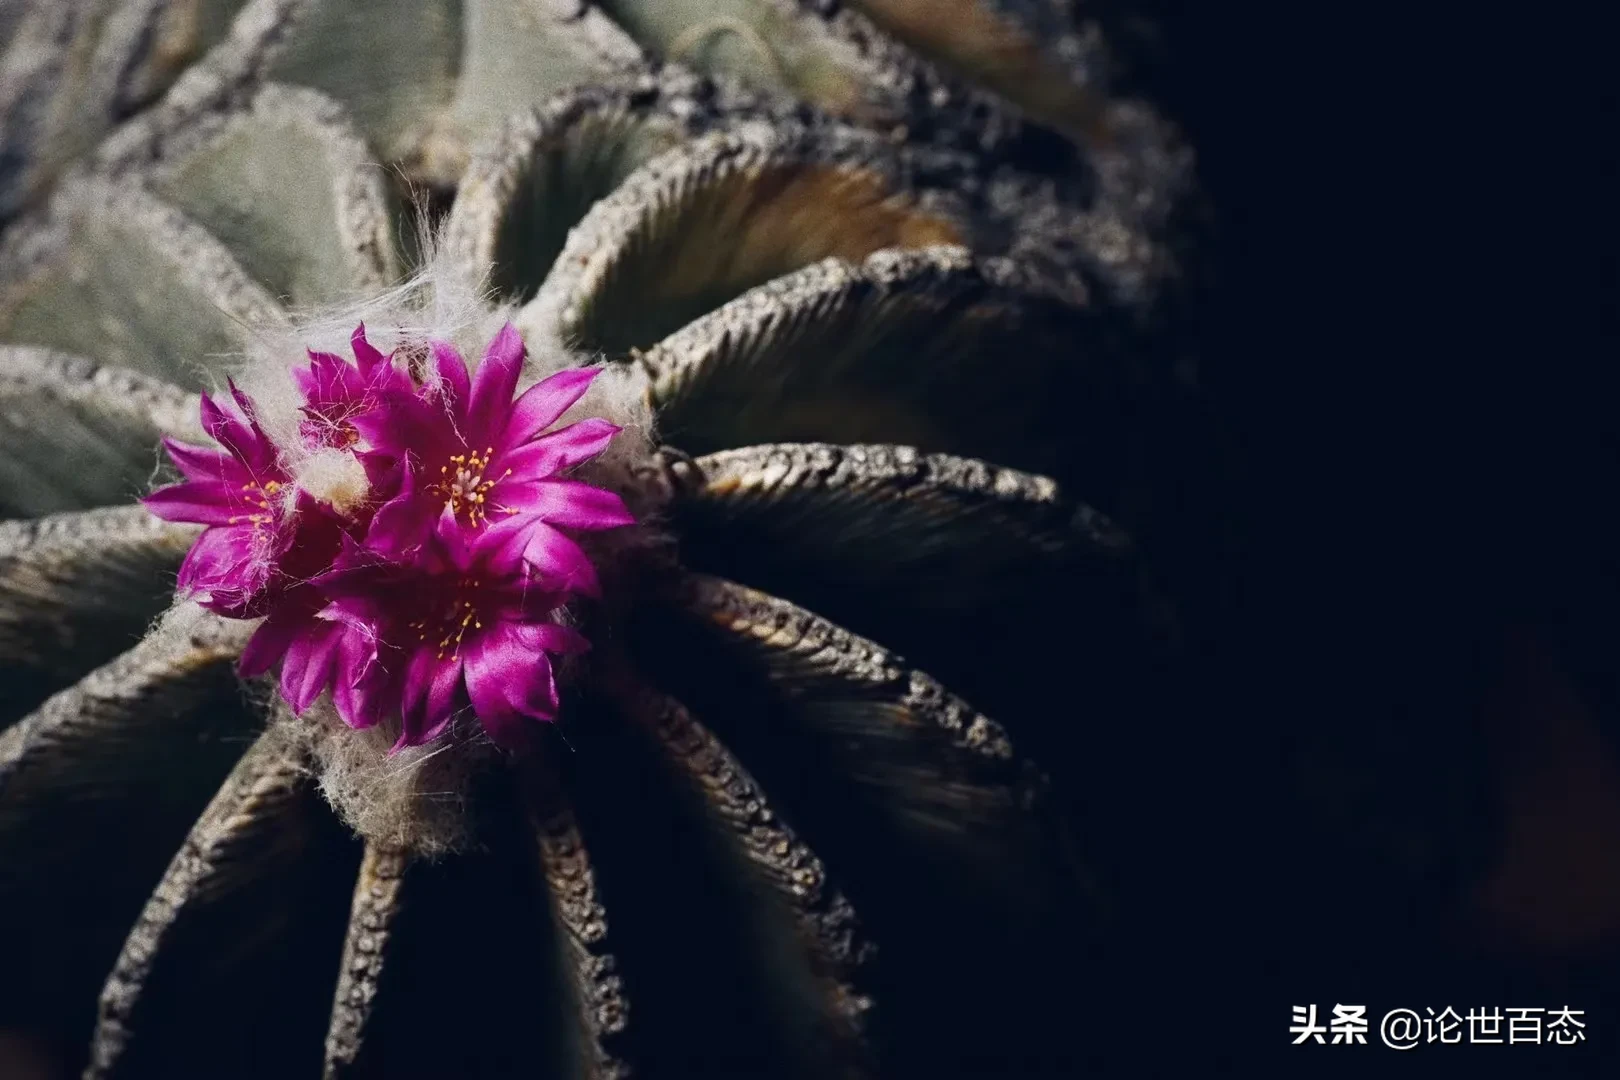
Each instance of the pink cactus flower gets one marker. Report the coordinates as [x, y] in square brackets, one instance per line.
[439, 591]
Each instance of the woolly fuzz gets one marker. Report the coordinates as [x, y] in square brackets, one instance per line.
[421, 798]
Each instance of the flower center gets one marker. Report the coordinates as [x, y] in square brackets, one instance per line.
[260, 497]
[463, 486]
[457, 616]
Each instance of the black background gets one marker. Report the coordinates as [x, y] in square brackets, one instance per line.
[1409, 246]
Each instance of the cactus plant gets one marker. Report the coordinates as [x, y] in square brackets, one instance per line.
[1025, 84]
[874, 414]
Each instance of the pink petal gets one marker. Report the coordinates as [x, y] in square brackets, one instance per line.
[205, 502]
[360, 683]
[454, 384]
[383, 473]
[455, 540]
[244, 403]
[309, 547]
[356, 707]
[227, 430]
[205, 463]
[242, 438]
[365, 353]
[271, 641]
[568, 503]
[337, 380]
[562, 449]
[404, 523]
[437, 728]
[428, 696]
[498, 549]
[487, 671]
[559, 563]
[542, 403]
[493, 384]
[216, 553]
[552, 638]
[414, 686]
[377, 371]
[251, 414]
[404, 423]
[507, 682]
[307, 666]
[223, 565]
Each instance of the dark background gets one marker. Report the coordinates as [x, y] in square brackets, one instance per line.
[1405, 790]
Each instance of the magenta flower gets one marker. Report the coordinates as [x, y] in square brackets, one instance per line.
[467, 623]
[433, 587]
[240, 494]
[336, 391]
[464, 446]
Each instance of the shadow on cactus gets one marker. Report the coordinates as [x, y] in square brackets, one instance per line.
[627, 655]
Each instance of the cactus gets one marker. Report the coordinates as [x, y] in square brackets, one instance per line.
[868, 361]
[1024, 85]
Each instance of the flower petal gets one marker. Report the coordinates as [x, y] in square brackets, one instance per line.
[360, 681]
[367, 355]
[454, 385]
[552, 638]
[243, 438]
[493, 385]
[338, 380]
[219, 553]
[490, 663]
[307, 667]
[245, 404]
[205, 502]
[225, 429]
[455, 540]
[561, 449]
[358, 595]
[271, 641]
[383, 472]
[497, 549]
[545, 401]
[405, 522]
[402, 424]
[507, 682]
[377, 370]
[428, 696]
[568, 503]
[309, 387]
[206, 463]
[559, 563]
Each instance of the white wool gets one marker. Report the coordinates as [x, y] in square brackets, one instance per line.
[336, 477]
[419, 798]
[444, 300]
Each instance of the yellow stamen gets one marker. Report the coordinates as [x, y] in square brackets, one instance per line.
[464, 488]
